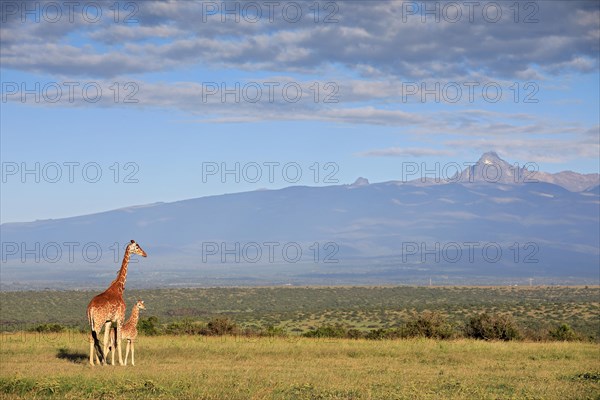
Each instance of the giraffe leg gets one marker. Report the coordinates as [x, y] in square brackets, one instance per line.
[96, 345]
[127, 352]
[118, 344]
[113, 340]
[106, 339]
[97, 358]
[132, 353]
[92, 351]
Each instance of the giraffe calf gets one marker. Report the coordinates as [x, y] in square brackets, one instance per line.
[129, 331]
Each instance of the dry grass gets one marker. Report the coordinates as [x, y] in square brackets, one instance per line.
[55, 366]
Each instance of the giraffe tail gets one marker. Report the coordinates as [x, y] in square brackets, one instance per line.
[98, 348]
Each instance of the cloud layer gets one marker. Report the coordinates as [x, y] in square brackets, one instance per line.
[374, 61]
[406, 40]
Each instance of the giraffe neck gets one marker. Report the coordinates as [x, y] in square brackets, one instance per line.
[135, 314]
[119, 282]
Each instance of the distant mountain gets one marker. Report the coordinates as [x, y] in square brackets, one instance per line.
[360, 182]
[593, 189]
[490, 168]
[472, 232]
[570, 180]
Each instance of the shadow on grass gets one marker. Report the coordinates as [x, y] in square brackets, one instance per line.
[73, 356]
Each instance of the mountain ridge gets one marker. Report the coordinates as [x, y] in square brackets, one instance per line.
[574, 184]
[490, 168]
[386, 232]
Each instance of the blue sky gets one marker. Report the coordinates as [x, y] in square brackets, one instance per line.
[372, 58]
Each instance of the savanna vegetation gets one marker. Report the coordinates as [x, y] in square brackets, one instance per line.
[537, 312]
[314, 343]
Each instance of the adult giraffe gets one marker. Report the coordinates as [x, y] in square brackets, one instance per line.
[109, 307]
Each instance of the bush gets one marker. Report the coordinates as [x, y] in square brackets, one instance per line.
[354, 334]
[428, 324]
[335, 331]
[273, 331]
[492, 327]
[221, 326]
[327, 331]
[563, 332]
[184, 327]
[149, 326]
[381, 334]
[49, 328]
[535, 333]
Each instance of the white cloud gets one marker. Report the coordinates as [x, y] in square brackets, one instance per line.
[406, 152]
[367, 38]
[372, 53]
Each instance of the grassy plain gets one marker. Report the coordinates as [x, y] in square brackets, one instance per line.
[37, 365]
[198, 367]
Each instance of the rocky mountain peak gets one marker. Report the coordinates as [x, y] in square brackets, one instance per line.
[360, 181]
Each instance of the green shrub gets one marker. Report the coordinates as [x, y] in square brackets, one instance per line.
[335, 331]
[273, 331]
[327, 331]
[535, 333]
[149, 326]
[251, 330]
[49, 328]
[381, 334]
[221, 326]
[563, 332]
[185, 327]
[492, 327]
[427, 324]
[354, 334]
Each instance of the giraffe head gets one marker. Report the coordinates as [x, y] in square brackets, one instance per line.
[135, 248]
[140, 304]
